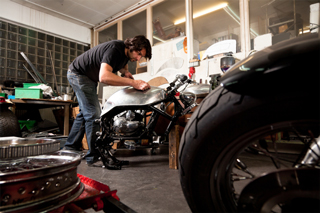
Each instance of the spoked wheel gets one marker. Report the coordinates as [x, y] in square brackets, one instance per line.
[265, 170]
[242, 153]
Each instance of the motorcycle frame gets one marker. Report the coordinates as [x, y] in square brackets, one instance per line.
[105, 140]
[178, 108]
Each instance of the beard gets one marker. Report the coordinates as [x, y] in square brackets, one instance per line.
[129, 57]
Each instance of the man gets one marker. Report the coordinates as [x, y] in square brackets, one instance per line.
[100, 64]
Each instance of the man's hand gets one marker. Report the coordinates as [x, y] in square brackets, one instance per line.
[127, 74]
[106, 76]
[140, 85]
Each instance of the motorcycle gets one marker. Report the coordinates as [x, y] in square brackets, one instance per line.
[253, 143]
[131, 116]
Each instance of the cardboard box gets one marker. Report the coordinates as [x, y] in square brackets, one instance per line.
[142, 66]
[142, 62]
[141, 70]
[283, 28]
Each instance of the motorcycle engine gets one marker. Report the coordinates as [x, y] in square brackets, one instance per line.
[128, 122]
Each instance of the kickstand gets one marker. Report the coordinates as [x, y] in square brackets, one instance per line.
[111, 162]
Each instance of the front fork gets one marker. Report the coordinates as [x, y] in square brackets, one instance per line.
[108, 159]
[103, 146]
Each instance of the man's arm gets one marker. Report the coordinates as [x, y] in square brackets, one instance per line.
[106, 76]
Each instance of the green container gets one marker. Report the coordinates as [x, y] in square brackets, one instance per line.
[3, 94]
[29, 123]
[28, 93]
[27, 85]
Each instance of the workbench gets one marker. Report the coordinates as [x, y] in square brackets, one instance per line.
[30, 103]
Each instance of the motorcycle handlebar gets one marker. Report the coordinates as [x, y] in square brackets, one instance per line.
[182, 79]
[177, 86]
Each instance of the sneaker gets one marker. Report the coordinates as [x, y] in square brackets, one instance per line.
[72, 148]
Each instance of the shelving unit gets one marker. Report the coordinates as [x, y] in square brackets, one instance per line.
[36, 45]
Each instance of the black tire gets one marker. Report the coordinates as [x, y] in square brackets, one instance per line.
[9, 125]
[222, 127]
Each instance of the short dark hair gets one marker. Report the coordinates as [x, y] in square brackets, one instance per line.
[137, 43]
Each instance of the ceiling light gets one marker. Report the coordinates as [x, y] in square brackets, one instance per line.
[204, 12]
[159, 39]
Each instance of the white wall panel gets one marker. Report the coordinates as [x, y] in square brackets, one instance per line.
[30, 17]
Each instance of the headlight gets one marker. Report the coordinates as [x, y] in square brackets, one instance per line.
[188, 98]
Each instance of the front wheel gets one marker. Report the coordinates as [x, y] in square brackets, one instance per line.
[233, 142]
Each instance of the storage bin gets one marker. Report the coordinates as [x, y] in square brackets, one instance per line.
[27, 85]
[28, 93]
[26, 123]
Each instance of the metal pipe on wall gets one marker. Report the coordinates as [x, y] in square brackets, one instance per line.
[189, 28]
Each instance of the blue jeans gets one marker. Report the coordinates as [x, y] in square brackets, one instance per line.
[86, 92]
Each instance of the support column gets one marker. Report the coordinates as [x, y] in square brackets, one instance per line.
[244, 26]
[119, 30]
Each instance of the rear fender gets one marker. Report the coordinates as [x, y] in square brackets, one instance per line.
[289, 65]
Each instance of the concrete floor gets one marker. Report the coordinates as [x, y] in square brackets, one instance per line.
[145, 185]
[148, 185]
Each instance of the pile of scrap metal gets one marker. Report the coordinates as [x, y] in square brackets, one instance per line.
[162, 34]
[37, 76]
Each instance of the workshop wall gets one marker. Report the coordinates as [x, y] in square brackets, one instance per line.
[42, 38]
[33, 18]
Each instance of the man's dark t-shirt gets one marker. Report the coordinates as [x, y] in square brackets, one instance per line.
[89, 62]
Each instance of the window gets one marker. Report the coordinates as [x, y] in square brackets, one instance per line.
[216, 21]
[108, 34]
[279, 20]
[165, 14]
[133, 26]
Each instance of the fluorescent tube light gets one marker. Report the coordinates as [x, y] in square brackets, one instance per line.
[158, 38]
[204, 12]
